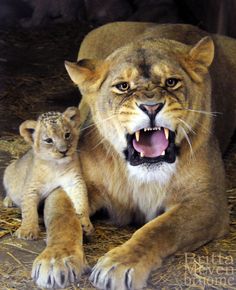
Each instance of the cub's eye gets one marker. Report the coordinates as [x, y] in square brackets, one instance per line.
[48, 141]
[123, 87]
[171, 82]
[67, 135]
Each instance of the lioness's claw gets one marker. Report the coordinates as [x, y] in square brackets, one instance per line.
[57, 268]
[119, 270]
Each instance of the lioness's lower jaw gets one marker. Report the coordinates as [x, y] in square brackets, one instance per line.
[151, 146]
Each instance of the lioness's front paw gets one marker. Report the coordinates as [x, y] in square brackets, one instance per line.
[121, 268]
[87, 226]
[58, 267]
[27, 233]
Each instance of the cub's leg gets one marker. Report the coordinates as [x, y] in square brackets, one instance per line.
[79, 196]
[185, 226]
[29, 229]
[7, 202]
[63, 260]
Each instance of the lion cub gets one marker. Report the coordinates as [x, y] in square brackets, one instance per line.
[52, 162]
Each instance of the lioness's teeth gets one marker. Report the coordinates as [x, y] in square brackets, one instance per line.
[137, 134]
[141, 154]
[166, 131]
[163, 153]
[152, 129]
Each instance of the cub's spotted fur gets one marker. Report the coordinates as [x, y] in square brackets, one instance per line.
[51, 163]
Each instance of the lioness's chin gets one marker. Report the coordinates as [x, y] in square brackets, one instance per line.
[160, 173]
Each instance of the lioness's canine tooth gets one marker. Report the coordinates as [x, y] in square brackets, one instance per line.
[166, 131]
[145, 129]
[163, 153]
[137, 134]
[141, 154]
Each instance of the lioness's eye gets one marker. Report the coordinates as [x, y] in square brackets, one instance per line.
[48, 141]
[171, 82]
[67, 135]
[124, 86]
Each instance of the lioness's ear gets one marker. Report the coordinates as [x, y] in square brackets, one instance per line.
[200, 58]
[27, 130]
[203, 51]
[73, 115]
[87, 74]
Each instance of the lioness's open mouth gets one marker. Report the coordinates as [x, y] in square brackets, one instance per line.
[151, 145]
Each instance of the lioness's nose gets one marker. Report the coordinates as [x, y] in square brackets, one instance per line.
[151, 110]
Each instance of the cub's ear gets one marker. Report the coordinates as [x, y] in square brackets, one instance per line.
[73, 115]
[27, 130]
[87, 74]
[200, 58]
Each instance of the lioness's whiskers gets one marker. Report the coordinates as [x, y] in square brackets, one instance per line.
[212, 114]
[100, 142]
[187, 125]
[188, 140]
[204, 129]
[98, 122]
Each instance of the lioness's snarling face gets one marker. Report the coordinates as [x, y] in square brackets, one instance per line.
[54, 135]
[144, 97]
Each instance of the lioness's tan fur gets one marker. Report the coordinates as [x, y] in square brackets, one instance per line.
[45, 167]
[182, 204]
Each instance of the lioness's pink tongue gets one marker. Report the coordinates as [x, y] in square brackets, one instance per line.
[151, 143]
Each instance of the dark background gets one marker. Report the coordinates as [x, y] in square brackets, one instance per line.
[211, 15]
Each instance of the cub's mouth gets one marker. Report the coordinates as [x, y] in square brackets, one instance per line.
[151, 146]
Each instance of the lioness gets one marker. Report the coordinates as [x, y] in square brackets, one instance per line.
[51, 162]
[151, 152]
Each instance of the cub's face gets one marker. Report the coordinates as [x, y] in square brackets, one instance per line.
[55, 135]
[143, 96]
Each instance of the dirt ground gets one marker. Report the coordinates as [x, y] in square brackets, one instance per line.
[33, 80]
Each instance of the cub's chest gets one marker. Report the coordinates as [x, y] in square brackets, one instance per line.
[53, 176]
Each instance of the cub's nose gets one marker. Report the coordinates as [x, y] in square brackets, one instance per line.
[63, 152]
[151, 110]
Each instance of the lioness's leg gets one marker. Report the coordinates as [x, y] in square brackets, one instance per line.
[185, 226]
[63, 260]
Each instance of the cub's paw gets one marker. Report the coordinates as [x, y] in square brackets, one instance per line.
[87, 226]
[27, 233]
[7, 202]
[58, 267]
[121, 269]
